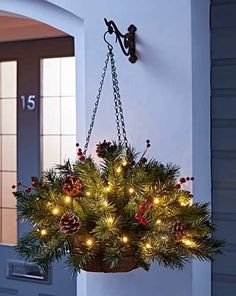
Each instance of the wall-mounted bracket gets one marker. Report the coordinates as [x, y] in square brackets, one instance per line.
[126, 41]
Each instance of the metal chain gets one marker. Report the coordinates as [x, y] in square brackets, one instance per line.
[120, 121]
[120, 124]
[96, 103]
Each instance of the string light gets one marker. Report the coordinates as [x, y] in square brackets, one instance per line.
[131, 190]
[108, 189]
[124, 162]
[55, 211]
[89, 242]
[183, 204]
[110, 220]
[67, 199]
[125, 239]
[118, 170]
[43, 232]
[148, 246]
[105, 203]
[158, 221]
[88, 193]
[185, 201]
[156, 200]
[188, 242]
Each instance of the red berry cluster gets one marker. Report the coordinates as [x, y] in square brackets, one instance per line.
[143, 207]
[184, 180]
[29, 189]
[143, 159]
[14, 186]
[80, 153]
[148, 143]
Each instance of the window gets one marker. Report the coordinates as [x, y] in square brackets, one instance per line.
[7, 151]
[58, 105]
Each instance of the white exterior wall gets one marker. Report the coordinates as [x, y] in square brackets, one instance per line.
[157, 98]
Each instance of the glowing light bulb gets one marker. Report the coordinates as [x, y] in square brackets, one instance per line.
[108, 189]
[185, 201]
[55, 211]
[118, 170]
[124, 162]
[110, 220]
[67, 199]
[88, 193]
[131, 190]
[105, 203]
[148, 246]
[125, 239]
[183, 204]
[158, 221]
[156, 201]
[43, 232]
[189, 242]
[89, 242]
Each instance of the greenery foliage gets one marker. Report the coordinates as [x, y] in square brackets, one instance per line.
[128, 207]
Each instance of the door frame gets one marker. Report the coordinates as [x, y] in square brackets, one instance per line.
[28, 55]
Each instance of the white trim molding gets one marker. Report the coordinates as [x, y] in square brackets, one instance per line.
[201, 271]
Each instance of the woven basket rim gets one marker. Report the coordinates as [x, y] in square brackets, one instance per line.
[126, 264]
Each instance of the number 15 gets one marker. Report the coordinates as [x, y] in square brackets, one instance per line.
[28, 102]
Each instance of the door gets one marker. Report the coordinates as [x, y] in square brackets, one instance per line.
[223, 101]
[37, 130]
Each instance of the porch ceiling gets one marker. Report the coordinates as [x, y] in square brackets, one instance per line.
[13, 28]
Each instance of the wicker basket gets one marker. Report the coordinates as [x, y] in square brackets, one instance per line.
[126, 264]
[97, 264]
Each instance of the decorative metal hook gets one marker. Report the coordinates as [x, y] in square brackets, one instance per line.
[128, 43]
[110, 47]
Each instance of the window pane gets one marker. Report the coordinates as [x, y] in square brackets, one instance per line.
[8, 79]
[8, 200]
[68, 76]
[9, 226]
[51, 115]
[68, 148]
[51, 149]
[50, 77]
[0, 114]
[8, 153]
[0, 155]
[68, 116]
[8, 116]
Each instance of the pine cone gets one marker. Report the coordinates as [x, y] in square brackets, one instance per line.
[102, 148]
[69, 223]
[72, 186]
[178, 230]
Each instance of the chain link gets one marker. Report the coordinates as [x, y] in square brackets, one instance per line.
[96, 103]
[120, 124]
[118, 105]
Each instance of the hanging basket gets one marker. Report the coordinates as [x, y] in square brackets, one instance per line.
[126, 212]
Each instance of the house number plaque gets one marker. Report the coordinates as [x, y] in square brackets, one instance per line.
[28, 102]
